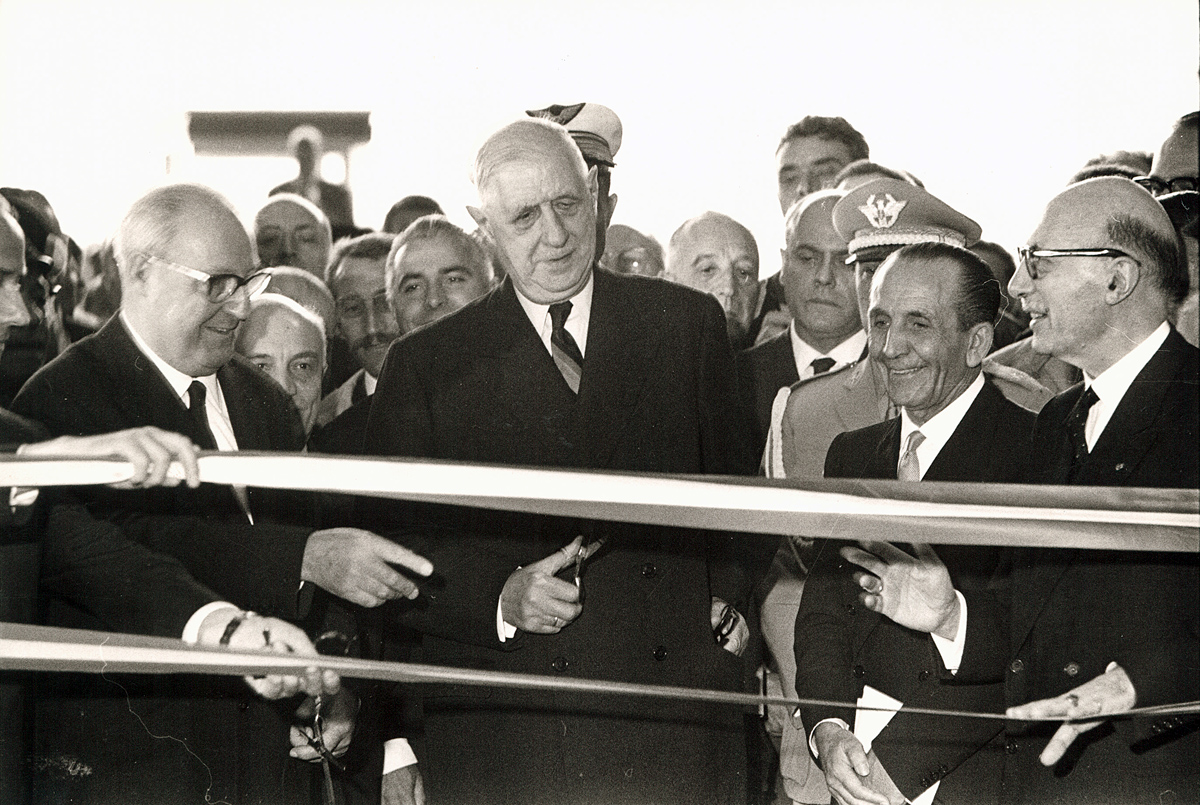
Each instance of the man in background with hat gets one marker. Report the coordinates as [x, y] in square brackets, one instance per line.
[597, 131]
[875, 219]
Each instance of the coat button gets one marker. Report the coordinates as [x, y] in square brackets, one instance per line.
[923, 676]
[1011, 747]
[660, 653]
[1071, 669]
[1016, 666]
[649, 570]
[560, 664]
[859, 671]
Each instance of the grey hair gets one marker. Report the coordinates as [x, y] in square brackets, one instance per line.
[154, 221]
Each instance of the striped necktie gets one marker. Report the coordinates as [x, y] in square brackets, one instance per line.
[909, 469]
[566, 352]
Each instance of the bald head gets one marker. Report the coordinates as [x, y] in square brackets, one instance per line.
[292, 231]
[304, 288]
[1090, 310]
[714, 253]
[1116, 212]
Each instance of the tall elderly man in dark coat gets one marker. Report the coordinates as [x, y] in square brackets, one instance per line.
[565, 365]
[1078, 634]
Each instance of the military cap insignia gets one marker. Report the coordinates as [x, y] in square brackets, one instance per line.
[882, 212]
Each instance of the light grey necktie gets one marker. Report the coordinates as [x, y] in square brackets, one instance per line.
[909, 469]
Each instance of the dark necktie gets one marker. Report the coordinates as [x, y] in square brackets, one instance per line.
[822, 365]
[199, 415]
[1077, 429]
[566, 352]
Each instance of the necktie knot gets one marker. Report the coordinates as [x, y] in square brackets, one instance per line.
[559, 312]
[822, 365]
[199, 416]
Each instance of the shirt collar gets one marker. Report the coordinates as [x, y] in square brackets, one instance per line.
[177, 380]
[941, 426]
[1111, 384]
[844, 354]
[577, 322]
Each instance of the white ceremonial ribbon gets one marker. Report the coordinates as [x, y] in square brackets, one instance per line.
[936, 513]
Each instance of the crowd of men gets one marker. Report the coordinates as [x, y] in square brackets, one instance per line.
[893, 343]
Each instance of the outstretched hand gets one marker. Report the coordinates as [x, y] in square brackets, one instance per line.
[914, 591]
[357, 565]
[1082, 709]
[535, 600]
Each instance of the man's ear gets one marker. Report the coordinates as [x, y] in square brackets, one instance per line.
[1123, 276]
[979, 342]
[478, 216]
[593, 183]
[134, 272]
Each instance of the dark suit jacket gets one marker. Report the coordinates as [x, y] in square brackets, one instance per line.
[841, 646]
[18, 589]
[1066, 614]
[101, 384]
[762, 371]
[657, 394]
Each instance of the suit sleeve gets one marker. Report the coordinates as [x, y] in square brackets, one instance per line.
[124, 584]
[823, 645]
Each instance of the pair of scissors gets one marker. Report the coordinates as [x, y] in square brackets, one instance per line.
[317, 742]
[585, 550]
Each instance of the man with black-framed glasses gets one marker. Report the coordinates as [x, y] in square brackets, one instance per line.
[1087, 635]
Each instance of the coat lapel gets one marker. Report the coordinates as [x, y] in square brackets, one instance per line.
[621, 347]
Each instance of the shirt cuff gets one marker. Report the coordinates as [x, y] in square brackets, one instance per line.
[952, 650]
[191, 629]
[812, 745]
[504, 629]
[397, 754]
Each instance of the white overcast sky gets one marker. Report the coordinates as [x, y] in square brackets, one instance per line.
[993, 104]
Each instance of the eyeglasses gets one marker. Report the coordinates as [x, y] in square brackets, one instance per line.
[1028, 256]
[220, 287]
[1159, 187]
[355, 307]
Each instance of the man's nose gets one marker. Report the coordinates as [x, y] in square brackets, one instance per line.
[825, 275]
[288, 249]
[553, 231]
[894, 343]
[238, 304]
[1021, 283]
[284, 378]
[437, 296]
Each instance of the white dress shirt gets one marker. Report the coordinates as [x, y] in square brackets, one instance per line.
[1110, 387]
[576, 323]
[844, 354]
